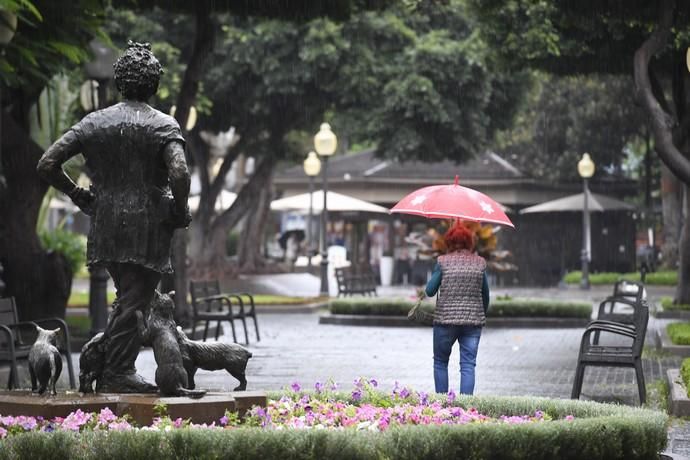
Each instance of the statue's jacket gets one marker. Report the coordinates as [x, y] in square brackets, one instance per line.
[123, 146]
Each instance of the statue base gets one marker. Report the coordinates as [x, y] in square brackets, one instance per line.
[140, 407]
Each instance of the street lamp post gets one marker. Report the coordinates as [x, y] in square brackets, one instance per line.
[93, 96]
[312, 167]
[585, 167]
[325, 143]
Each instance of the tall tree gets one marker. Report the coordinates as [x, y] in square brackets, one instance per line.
[51, 37]
[646, 38]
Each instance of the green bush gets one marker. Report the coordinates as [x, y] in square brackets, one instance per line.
[659, 278]
[510, 307]
[668, 305]
[679, 333]
[69, 244]
[598, 431]
[685, 374]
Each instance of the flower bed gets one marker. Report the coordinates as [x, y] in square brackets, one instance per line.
[499, 308]
[363, 423]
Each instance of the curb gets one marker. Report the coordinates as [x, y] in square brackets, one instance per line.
[679, 403]
[664, 342]
[672, 314]
[491, 322]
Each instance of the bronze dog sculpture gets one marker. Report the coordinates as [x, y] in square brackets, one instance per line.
[213, 356]
[45, 362]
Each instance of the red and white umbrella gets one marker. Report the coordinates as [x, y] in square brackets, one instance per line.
[452, 201]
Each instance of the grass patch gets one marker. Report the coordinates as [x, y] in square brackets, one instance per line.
[81, 299]
[679, 333]
[668, 305]
[685, 374]
[504, 307]
[658, 278]
[658, 395]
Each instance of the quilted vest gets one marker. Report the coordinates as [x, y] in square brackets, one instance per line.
[459, 299]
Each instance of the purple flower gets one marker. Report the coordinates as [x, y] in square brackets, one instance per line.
[356, 395]
[3, 432]
[318, 386]
[334, 386]
[451, 396]
[295, 387]
[405, 393]
[374, 383]
[423, 398]
[223, 420]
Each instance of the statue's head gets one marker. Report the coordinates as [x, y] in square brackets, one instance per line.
[137, 72]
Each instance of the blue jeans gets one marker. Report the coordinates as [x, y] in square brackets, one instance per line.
[444, 339]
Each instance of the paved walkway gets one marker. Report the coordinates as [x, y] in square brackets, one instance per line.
[536, 362]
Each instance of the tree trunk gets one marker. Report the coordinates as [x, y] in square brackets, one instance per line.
[251, 241]
[39, 281]
[204, 38]
[683, 288]
[671, 205]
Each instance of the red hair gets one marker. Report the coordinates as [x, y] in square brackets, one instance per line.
[459, 237]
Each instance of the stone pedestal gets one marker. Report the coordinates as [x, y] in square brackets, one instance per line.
[208, 409]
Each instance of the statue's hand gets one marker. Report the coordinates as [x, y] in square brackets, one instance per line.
[83, 198]
[181, 218]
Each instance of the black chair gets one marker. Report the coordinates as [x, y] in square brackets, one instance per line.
[620, 307]
[16, 339]
[630, 290]
[210, 304]
[593, 354]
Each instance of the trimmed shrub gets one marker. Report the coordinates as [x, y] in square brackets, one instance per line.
[594, 431]
[668, 305]
[679, 333]
[505, 307]
[69, 244]
[658, 278]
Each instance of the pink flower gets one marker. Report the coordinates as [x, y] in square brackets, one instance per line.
[106, 416]
[76, 420]
[3, 432]
[121, 425]
[569, 418]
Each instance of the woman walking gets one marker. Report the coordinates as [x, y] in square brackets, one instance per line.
[459, 277]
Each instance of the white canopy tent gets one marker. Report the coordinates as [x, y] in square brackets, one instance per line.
[224, 201]
[595, 203]
[336, 202]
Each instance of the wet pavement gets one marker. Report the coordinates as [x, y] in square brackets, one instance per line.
[537, 362]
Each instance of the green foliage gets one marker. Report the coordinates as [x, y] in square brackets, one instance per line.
[658, 395]
[679, 333]
[598, 431]
[79, 325]
[668, 305]
[658, 278]
[498, 308]
[69, 244]
[685, 374]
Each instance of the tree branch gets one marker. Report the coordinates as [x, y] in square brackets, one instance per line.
[662, 123]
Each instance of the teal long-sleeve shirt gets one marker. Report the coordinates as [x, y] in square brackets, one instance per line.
[435, 283]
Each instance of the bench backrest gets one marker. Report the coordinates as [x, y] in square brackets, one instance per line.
[629, 290]
[199, 289]
[641, 320]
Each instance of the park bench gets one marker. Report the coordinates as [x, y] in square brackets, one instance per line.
[615, 355]
[16, 339]
[210, 304]
[621, 312]
[355, 280]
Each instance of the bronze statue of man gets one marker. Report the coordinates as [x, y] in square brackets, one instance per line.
[138, 197]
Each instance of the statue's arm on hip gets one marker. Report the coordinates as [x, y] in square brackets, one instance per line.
[178, 174]
[49, 168]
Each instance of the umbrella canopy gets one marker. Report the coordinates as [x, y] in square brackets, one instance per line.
[452, 201]
[335, 202]
[595, 202]
[224, 201]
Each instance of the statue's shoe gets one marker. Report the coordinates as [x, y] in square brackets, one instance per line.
[124, 383]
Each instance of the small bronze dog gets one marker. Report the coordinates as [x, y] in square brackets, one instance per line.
[91, 361]
[159, 331]
[45, 362]
[213, 356]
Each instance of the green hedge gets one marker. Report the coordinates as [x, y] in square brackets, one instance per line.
[659, 278]
[598, 431]
[679, 333]
[497, 308]
[668, 305]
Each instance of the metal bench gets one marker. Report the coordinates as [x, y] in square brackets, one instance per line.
[615, 355]
[355, 280]
[210, 304]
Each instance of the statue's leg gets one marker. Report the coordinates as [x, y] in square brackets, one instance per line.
[135, 288]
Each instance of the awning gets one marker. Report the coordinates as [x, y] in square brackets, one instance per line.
[336, 202]
[595, 203]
